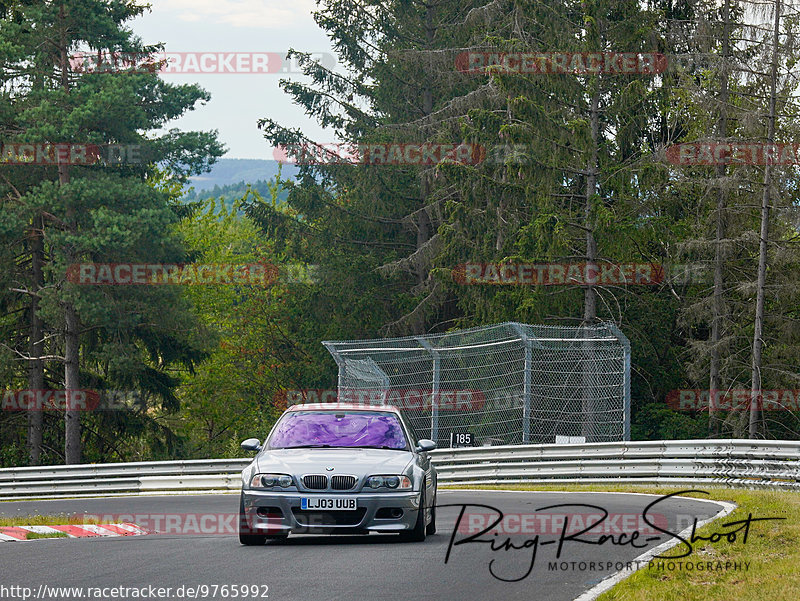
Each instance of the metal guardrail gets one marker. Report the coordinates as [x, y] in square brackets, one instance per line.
[121, 478]
[740, 463]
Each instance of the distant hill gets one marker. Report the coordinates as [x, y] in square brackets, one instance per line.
[226, 172]
[233, 192]
[229, 178]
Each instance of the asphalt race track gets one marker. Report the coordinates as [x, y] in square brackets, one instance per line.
[328, 568]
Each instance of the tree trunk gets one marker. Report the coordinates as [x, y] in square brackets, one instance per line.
[714, 384]
[716, 319]
[72, 418]
[590, 296]
[72, 434]
[36, 345]
[424, 225]
[72, 422]
[755, 388]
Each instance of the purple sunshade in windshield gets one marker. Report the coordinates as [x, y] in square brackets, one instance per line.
[344, 429]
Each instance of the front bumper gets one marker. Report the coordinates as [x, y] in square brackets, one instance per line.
[277, 513]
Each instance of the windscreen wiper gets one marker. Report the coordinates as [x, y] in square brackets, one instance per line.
[378, 446]
[316, 446]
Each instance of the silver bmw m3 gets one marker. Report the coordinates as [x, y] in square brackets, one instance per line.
[338, 469]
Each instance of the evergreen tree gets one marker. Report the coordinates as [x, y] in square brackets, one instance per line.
[124, 337]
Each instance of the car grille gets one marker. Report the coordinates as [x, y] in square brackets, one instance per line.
[315, 519]
[315, 482]
[343, 482]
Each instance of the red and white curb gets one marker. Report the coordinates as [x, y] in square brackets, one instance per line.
[20, 533]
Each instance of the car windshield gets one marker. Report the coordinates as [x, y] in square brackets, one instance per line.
[338, 429]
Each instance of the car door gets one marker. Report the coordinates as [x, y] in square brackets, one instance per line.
[423, 460]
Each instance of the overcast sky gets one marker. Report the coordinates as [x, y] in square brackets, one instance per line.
[238, 100]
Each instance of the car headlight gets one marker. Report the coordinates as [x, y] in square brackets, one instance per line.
[390, 482]
[271, 481]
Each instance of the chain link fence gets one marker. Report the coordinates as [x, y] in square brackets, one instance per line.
[508, 383]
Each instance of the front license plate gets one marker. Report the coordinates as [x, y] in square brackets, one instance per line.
[329, 504]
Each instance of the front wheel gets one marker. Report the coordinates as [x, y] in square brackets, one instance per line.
[431, 529]
[417, 534]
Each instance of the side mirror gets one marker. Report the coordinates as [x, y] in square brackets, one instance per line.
[251, 444]
[424, 445]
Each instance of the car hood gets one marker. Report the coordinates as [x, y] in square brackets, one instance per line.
[356, 462]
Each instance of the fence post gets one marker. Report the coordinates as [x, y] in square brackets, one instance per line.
[339, 365]
[434, 388]
[588, 393]
[626, 380]
[626, 426]
[526, 391]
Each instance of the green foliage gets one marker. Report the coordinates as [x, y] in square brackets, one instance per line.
[231, 193]
[127, 337]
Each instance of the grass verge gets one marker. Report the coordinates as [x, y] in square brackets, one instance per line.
[772, 550]
[46, 520]
[35, 535]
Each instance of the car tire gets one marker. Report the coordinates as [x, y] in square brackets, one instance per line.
[417, 534]
[246, 537]
[431, 529]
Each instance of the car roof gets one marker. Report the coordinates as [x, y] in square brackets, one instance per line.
[342, 407]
